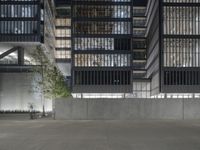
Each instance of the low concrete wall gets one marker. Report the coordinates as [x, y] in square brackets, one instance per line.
[126, 109]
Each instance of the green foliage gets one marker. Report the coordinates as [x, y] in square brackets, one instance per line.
[57, 86]
[52, 81]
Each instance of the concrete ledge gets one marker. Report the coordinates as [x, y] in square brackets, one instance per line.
[126, 109]
[14, 116]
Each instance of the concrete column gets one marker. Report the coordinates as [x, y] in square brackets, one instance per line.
[20, 56]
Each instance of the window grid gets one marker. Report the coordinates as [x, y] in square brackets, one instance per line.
[102, 44]
[181, 52]
[181, 1]
[62, 54]
[181, 20]
[99, 11]
[186, 77]
[102, 77]
[102, 60]
[94, 27]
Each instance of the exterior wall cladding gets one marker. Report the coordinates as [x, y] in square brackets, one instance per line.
[105, 56]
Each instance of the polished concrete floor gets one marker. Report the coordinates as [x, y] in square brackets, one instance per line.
[99, 135]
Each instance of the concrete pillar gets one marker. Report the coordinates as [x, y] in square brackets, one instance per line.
[20, 56]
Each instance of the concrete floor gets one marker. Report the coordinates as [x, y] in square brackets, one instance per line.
[99, 135]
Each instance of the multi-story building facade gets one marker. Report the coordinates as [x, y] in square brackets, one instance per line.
[180, 46]
[112, 48]
[109, 48]
[101, 46]
[135, 48]
[173, 46]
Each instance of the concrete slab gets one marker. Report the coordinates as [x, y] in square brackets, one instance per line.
[99, 135]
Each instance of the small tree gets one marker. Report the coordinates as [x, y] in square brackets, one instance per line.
[52, 83]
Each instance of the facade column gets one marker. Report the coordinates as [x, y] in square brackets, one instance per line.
[20, 56]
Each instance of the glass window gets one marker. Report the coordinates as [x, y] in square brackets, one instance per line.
[63, 32]
[16, 11]
[63, 22]
[111, 11]
[181, 20]
[62, 54]
[63, 43]
[102, 60]
[181, 52]
[92, 27]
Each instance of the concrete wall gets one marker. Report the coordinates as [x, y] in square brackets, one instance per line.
[16, 91]
[126, 109]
